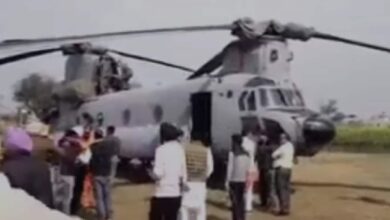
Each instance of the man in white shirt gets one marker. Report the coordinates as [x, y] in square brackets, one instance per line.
[283, 163]
[170, 175]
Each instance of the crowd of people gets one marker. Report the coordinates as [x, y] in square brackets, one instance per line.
[274, 164]
[180, 174]
[87, 166]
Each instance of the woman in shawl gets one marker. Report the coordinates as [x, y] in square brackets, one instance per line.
[24, 171]
[82, 196]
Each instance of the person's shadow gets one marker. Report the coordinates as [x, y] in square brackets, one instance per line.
[217, 204]
[214, 217]
[366, 199]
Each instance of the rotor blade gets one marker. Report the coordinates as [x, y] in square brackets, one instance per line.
[150, 60]
[208, 67]
[348, 41]
[27, 55]
[22, 42]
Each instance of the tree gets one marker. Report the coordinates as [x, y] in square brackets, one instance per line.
[331, 110]
[35, 93]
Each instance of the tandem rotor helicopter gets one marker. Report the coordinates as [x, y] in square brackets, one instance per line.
[251, 86]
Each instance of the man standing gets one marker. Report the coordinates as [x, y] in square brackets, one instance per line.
[239, 163]
[199, 162]
[266, 173]
[283, 162]
[102, 153]
[115, 143]
[69, 148]
[170, 175]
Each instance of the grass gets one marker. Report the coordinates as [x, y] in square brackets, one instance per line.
[362, 139]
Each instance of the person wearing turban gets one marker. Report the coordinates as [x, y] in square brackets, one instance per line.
[22, 169]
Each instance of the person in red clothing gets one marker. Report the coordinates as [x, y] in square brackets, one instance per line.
[81, 197]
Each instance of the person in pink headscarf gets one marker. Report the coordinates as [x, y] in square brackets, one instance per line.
[24, 171]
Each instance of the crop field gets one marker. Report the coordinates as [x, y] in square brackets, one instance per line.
[362, 139]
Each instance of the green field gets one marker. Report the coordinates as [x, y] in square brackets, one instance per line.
[362, 139]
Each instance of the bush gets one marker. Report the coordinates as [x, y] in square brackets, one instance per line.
[363, 138]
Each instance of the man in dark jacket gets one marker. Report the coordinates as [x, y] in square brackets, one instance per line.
[266, 172]
[24, 171]
[69, 148]
[101, 163]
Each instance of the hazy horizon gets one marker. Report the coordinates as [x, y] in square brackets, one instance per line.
[356, 77]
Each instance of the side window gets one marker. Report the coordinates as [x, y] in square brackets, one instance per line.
[252, 101]
[263, 98]
[126, 117]
[158, 113]
[100, 118]
[241, 101]
[229, 94]
[274, 55]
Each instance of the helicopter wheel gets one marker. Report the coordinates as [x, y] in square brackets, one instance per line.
[123, 162]
[217, 178]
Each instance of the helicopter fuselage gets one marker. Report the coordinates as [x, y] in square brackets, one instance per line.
[215, 106]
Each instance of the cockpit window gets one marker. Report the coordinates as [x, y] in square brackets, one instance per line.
[299, 98]
[293, 97]
[241, 101]
[287, 97]
[263, 98]
[278, 97]
[252, 101]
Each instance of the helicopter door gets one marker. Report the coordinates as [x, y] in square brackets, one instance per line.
[201, 114]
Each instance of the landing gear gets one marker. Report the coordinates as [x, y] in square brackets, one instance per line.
[123, 161]
[147, 163]
[135, 170]
[217, 178]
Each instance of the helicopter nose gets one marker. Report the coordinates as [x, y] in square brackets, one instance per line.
[318, 131]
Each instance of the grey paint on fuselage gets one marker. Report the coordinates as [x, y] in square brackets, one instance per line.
[139, 134]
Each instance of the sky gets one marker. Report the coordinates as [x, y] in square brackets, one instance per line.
[358, 78]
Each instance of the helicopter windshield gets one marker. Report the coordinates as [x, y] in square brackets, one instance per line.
[287, 97]
[278, 97]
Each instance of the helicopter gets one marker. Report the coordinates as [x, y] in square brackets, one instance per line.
[251, 86]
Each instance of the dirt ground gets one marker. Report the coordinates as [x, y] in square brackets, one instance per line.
[330, 186]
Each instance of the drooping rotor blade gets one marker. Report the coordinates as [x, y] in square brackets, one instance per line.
[208, 67]
[26, 55]
[23, 42]
[30, 54]
[348, 41]
[214, 63]
[150, 60]
[248, 29]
